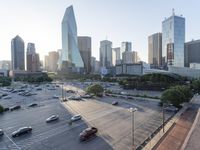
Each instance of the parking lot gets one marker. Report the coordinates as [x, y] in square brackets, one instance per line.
[113, 122]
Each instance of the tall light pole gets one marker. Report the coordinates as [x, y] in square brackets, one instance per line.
[163, 118]
[132, 110]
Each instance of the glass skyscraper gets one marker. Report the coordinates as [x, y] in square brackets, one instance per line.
[17, 53]
[70, 57]
[173, 38]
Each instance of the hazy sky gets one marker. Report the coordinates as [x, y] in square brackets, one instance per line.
[39, 21]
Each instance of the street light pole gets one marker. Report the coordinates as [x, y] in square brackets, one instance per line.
[132, 110]
[163, 118]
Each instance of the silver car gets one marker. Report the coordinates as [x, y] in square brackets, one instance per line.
[76, 117]
[52, 118]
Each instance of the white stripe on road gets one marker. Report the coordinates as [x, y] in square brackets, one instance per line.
[12, 141]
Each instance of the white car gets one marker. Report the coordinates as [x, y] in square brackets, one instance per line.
[56, 96]
[52, 118]
[76, 117]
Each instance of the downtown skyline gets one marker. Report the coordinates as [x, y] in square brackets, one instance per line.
[41, 23]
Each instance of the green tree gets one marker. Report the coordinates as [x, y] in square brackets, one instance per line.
[1, 109]
[186, 92]
[172, 96]
[196, 86]
[95, 89]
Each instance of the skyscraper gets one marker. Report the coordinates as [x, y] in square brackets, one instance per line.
[71, 57]
[52, 61]
[192, 52]
[32, 58]
[155, 49]
[84, 45]
[17, 53]
[105, 53]
[173, 38]
[125, 46]
[117, 55]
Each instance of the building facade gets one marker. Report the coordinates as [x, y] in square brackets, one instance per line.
[17, 54]
[155, 50]
[117, 56]
[129, 69]
[85, 46]
[5, 64]
[32, 59]
[53, 61]
[173, 38]
[106, 53]
[71, 57]
[192, 52]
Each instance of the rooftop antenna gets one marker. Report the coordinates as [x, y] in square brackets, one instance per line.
[173, 12]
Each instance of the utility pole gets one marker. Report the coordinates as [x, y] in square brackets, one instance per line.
[132, 110]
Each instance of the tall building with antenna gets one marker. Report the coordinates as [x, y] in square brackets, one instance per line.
[173, 39]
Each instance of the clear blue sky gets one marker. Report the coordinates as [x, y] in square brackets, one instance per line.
[39, 21]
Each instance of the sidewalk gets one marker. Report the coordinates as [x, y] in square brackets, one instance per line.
[174, 139]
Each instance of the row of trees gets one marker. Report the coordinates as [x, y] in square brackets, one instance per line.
[32, 79]
[5, 81]
[155, 81]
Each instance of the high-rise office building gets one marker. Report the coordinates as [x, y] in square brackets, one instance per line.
[71, 57]
[173, 38]
[135, 56]
[129, 57]
[32, 59]
[53, 61]
[125, 46]
[105, 54]
[117, 55]
[192, 52]
[84, 45]
[155, 49]
[46, 62]
[17, 53]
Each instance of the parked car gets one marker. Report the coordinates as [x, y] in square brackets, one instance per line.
[15, 107]
[52, 118]
[74, 98]
[21, 131]
[86, 96]
[4, 94]
[115, 103]
[1, 132]
[56, 96]
[70, 91]
[171, 108]
[33, 105]
[6, 109]
[76, 117]
[88, 133]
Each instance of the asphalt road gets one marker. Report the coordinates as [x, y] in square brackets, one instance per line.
[113, 122]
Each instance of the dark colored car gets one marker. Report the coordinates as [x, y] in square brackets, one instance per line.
[32, 105]
[21, 131]
[6, 109]
[115, 103]
[1, 132]
[15, 107]
[88, 133]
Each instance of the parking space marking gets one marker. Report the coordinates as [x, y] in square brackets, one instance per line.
[12, 141]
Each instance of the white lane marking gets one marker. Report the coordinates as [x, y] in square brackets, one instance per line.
[12, 141]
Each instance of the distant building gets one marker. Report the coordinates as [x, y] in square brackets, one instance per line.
[32, 59]
[17, 53]
[126, 46]
[5, 64]
[195, 65]
[84, 45]
[155, 50]
[71, 57]
[129, 57]
[46, 62]
[117, 57]
[192, 52]
[95, 66]
[53, 61]
[3, 73]
[106, 53]
[173, 38]
[129, 69]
